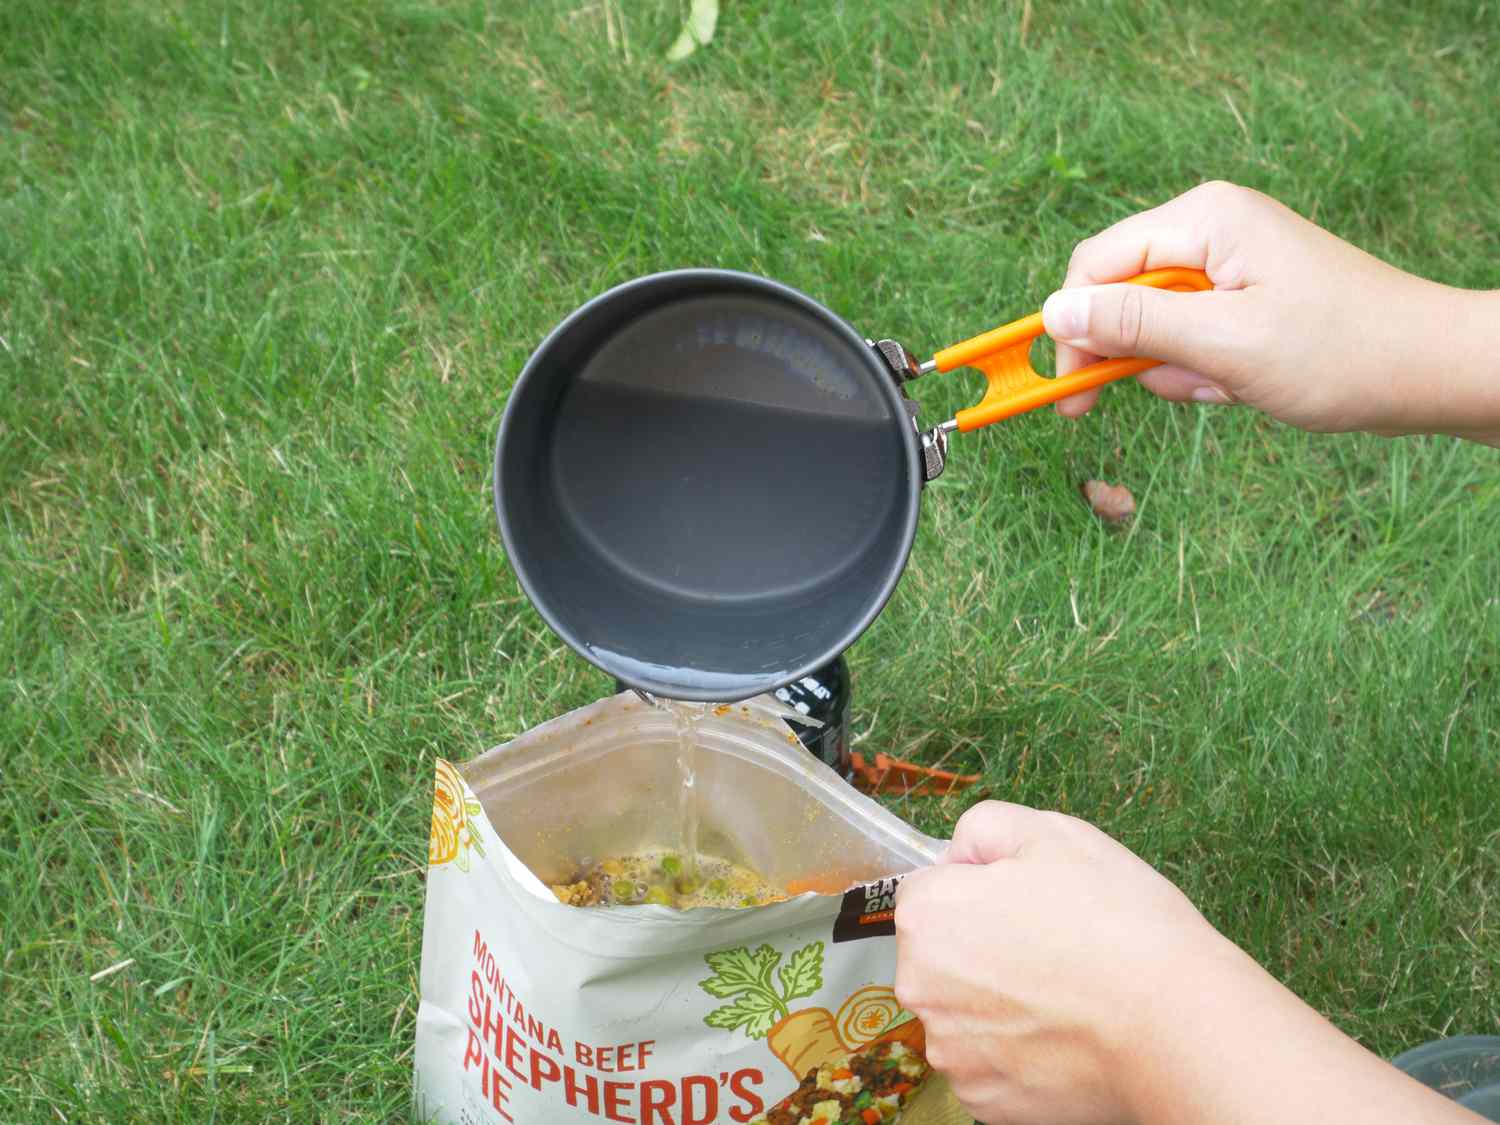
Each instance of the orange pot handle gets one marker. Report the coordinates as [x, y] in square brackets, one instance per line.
[1004, 355]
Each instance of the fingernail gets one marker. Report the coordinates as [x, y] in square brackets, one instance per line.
[1066, 314]
[1212, 396]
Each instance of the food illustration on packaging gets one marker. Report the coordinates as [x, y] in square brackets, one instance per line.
[859, 1065]
[453, 831]
[871, 1086]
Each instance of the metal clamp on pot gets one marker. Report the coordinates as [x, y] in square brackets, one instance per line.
[903, 367]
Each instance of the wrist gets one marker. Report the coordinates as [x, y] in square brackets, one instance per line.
[1200, 1000]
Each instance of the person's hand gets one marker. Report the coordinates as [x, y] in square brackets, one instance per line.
[1063, 981]
[1300, 324]
[1035, 956]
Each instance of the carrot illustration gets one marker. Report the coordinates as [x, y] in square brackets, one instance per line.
[805, 1040]
[868, 1014]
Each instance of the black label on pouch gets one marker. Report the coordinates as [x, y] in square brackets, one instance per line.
[868, 911]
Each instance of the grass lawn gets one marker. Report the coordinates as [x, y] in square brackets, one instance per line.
[267, 270]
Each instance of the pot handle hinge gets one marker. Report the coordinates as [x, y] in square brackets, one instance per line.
[903, 367]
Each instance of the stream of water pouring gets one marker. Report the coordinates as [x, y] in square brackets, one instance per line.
[685, 718]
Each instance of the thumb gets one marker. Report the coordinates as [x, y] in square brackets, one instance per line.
[1192, 330]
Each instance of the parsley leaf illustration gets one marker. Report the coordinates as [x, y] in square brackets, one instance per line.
[802, 975]
[747, 976]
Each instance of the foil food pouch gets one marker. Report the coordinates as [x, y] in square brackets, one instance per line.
[546, 1014]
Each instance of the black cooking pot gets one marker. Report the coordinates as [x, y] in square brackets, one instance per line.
[662, 449]
[652, 476]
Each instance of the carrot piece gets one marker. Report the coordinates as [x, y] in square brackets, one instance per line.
[870, 1116]
[842, 1073]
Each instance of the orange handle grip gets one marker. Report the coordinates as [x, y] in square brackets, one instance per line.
[1004, 355]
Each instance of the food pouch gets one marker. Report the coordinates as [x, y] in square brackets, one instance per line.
[545, 1014]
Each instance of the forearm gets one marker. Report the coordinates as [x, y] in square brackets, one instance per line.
[1240, 1049]
[1449, 381]
[1476, 354]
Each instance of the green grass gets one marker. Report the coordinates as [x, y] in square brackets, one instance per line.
[266, 273]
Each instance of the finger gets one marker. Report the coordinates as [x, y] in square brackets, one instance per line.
[1070, 359]
[934, 887]
[993, 830]
[1184, 231]
[1168, 381]
[1179, 384]
[1192, 330]
[1076, 406]
[1147, 241]
[927, 902]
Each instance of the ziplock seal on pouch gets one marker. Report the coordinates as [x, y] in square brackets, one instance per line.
[539, 1013]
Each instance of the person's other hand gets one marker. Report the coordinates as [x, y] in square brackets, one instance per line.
[1063, 981]
[1034, 956]
[1300, 324]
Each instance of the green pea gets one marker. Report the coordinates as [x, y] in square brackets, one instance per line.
[671, 865]
[660, 896]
